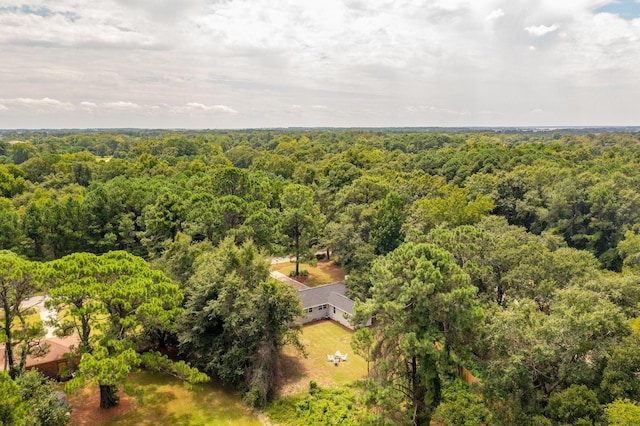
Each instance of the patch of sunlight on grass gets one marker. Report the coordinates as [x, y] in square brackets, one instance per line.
[166, 401]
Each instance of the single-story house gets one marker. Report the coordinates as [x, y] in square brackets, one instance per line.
[54, 362]
[328, 301]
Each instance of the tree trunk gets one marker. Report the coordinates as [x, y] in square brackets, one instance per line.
[297, 253]
[426, 389]
[86, 332]
[419, 392]
[8, 347]
[108, 396]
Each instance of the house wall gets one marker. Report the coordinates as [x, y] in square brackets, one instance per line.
[318, 314]
[339, 316]
[315, 315]
[49, 369]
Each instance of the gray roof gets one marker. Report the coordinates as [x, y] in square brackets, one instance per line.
[333, 294]
[341, 302]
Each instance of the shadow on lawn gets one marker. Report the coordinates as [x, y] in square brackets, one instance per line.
[293, 369]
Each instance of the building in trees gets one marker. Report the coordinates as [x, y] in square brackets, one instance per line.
[328, 301]
[52, 360]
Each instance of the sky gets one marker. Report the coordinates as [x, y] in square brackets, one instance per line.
[318, 63]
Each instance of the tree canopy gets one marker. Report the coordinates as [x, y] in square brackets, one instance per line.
[511, 253]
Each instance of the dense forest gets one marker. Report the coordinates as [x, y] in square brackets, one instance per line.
[515, 255]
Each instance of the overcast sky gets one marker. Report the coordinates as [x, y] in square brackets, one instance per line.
[340, 63]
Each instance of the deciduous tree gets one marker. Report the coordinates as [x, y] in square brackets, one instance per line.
[237, 319]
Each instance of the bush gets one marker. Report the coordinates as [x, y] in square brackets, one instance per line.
[48, 406]
[335, 406]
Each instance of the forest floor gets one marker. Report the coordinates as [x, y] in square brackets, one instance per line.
[320, 338]
[324, 272]
[164, 401]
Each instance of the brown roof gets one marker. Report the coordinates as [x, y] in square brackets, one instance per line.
[58, 347]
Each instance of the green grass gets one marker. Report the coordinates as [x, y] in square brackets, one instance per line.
[32, 318]
[166, 401]
[322, 338]
[322, 273]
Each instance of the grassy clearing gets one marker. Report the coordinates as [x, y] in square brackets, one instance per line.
[165, 401]
[32, 319]
[324, 272]
[321, 338]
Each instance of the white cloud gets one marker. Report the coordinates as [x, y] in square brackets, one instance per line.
[3, 108]
[219, 108]
[121, 105]
[498, 13]
[197, 63]
[540, 30]
[43, 104]
[65, 23]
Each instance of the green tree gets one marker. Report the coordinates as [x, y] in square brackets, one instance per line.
[75, 286]
[426, 316]
[13, 409]
[622, 412]
[163, 220]
[619, 379]
[114, 301]
[237, 319]
[300, 221]
[462, 406]
[451, 210]
[362, 344]
[534, 354]
[11, 235]
[576, 405]
[179, 259]
[629, 250]
[42, 397]
[386, 234]
[17, 284]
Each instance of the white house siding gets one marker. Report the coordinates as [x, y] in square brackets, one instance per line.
[316, 314]
[330, 296]
[339, 316]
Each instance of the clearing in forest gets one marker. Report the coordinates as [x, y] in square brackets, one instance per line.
[324, 272]
[320, 339]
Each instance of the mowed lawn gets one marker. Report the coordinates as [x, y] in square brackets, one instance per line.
[320, 339]
[324, 272]
[164, 402]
